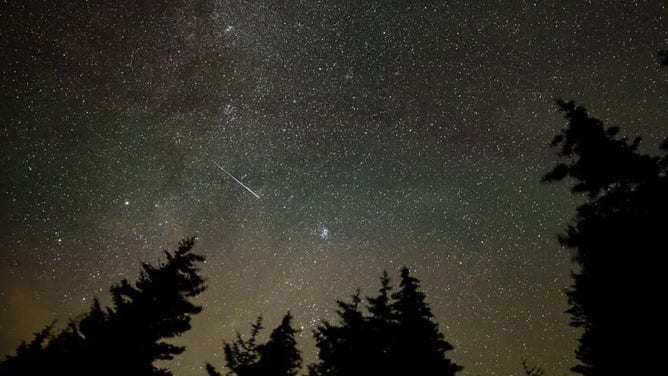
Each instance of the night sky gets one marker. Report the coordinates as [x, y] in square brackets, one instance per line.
[376, 134]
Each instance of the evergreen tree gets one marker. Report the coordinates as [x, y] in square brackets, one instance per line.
[241, 354]
[342, 348]
[381, 342]
[30, 356]
[278, 357]
[380, 307]
[397, 337]
[618, 239]
[127, 338]
[157, 308]
[420, 345]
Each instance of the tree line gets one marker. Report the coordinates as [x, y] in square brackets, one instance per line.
[128, 337]
[392, 334]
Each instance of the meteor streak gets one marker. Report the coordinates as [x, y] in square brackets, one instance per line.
[237, 180]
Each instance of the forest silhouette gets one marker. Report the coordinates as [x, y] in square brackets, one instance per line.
[394, 334]
[618, 239]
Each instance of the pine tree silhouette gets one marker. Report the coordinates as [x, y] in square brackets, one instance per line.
[241, 354]
[618, 242]
[381, 342]
[127, 338]
[342, 347]
[421, 345]
[278, 357]
[397, 337]
[30, 356]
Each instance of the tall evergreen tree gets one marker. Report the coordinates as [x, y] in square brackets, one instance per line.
[397, 337]
[380, 306]
[421, 346]
[381, 342]
[618, 239]
[157, 308]
[129, 337]
[280, 356]
[342, 347]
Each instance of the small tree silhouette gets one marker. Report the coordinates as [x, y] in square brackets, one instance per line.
[278, 357]
[241, 354]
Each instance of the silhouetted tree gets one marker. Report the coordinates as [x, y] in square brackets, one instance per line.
[279, 356]
[241, 354]
[421, 346]
[342, 348]
[381, 342]
[127, 338]
[397, 337]
[30, 356]
[618, 239]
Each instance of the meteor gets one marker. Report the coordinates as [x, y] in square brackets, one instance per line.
[235, 179]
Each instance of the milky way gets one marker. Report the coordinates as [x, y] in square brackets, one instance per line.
[374, 134]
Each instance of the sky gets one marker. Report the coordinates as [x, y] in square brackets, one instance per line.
[310, 145]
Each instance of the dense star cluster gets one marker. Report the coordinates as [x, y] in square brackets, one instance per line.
[310, 145]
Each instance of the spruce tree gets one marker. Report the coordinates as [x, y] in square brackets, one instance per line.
[397, 337]
[618, 241]
[279, 356]
[381, 343]
[421, 347]
[157, 308]
[129, 337]
[241, 355]
[31, 357]
[342, 346]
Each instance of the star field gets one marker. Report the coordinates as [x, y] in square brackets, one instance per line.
[376, 134]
